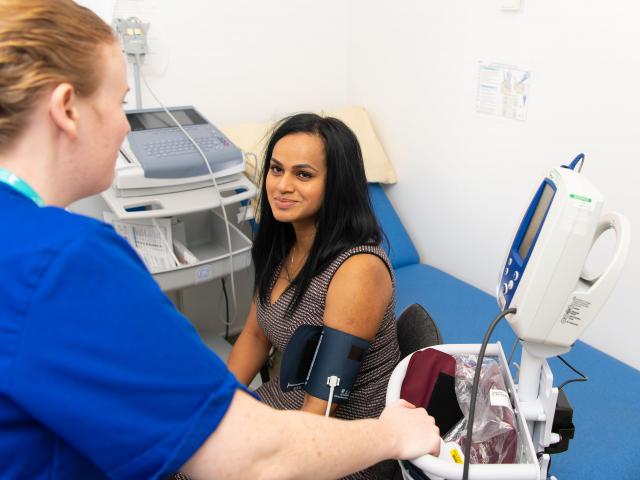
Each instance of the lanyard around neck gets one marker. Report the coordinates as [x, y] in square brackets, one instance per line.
[21, 186]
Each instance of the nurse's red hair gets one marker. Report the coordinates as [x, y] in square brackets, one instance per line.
[44, 43]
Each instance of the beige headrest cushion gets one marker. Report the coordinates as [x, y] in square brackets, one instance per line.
[253, 137]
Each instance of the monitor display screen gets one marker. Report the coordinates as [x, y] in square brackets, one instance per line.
[151, 120]
[536, 221]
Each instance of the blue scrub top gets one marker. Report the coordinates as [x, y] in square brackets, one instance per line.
[100, 376]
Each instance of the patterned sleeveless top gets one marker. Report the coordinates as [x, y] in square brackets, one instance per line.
[367, 397]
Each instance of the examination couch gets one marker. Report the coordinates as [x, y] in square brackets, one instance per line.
[606, 408]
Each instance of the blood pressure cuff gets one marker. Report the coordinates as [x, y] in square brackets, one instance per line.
[315, 353]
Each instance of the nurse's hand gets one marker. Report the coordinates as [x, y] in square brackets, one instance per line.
[412, 431]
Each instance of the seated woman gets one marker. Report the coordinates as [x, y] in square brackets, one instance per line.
[318, 261]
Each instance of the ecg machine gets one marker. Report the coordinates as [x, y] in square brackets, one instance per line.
[157, 157]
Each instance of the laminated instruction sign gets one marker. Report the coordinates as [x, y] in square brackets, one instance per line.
[503, 90]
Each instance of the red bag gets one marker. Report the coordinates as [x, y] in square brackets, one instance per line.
[430, 383]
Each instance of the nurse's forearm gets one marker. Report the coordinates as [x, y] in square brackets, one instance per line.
[255, 441]
[315, 405]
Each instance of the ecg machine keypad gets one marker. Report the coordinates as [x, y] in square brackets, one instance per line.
[182, 146]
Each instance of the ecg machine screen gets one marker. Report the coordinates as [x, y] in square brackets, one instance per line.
[150, 120]
[536, 221]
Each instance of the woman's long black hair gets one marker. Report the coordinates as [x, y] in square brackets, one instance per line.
[345, 218]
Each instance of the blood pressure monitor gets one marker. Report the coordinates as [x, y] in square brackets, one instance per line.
[544, 274]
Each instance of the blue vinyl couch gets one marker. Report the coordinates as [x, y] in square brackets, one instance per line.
[606, 408]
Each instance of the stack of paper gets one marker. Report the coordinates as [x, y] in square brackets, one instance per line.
[152, 239]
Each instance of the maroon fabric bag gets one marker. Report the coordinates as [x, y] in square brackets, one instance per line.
[422, 374]
[430, 383]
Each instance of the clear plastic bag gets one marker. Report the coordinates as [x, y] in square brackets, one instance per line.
[495, 439]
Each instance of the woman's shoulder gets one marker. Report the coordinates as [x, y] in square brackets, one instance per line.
[354, 265]
[363, 263]
[362, 258]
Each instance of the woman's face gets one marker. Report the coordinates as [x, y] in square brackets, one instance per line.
[296, 178]
[103, 124]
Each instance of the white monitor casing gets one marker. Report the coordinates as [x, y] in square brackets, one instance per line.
[555, 297]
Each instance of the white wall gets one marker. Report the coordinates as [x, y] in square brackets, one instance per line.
[464, 178]
[244, 61]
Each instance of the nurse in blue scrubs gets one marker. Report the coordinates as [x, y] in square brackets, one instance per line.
[100, 377]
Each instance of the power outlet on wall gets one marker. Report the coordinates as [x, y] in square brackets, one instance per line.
[511, 5]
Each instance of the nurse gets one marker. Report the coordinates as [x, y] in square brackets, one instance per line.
[100, 377]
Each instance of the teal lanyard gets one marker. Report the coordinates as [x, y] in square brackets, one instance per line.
[21, 186]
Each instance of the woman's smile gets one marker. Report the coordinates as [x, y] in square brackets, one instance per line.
[284, 203]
